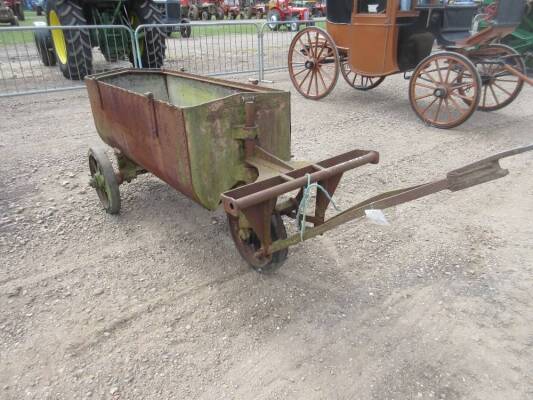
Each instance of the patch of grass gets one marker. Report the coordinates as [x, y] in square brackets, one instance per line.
[14, 37]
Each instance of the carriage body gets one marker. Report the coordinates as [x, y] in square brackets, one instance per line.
[367, 40]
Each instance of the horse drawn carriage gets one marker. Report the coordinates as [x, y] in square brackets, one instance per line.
[368, 40]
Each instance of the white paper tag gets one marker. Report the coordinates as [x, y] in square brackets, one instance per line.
[376, 217]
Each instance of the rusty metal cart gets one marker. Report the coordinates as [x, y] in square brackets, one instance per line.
[218, 141]
[368, 40]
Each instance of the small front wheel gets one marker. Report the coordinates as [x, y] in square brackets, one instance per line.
[313, 63]
[444, 89]
[185, 29]
[248, 243]
[104, 180]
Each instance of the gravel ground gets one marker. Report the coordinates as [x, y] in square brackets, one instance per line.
[156, 303]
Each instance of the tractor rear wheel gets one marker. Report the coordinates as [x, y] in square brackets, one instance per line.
[72, 46]
[152, 45]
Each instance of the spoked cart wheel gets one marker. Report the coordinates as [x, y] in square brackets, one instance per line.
[313, 63]
[104, 180]
[499, 87]
[248, 244]
[444, 89]
[358, 81]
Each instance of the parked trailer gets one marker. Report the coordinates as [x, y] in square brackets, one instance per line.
[218, 141]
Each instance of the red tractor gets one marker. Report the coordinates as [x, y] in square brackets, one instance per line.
[283, 10]
[18, 8]
[232, 9]
[254, 9]
[316, 7]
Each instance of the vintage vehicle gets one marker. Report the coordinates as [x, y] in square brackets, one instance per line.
[72, 48]
[254, 9]
[224, 142]
[367, 40]
[232, 9]
[18, 8]
[206, 10]
[282, 10]
[7, 16]
[175, 12]
[317, 8]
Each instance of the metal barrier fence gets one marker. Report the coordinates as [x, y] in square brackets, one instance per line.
[30, 64]
[207, 48]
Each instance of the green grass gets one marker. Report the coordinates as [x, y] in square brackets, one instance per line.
[7, 38]
[10, 38]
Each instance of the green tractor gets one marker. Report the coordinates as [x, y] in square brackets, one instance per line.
[71, 49]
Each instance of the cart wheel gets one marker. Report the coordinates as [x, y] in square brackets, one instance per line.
[499, 87]
[444, 89]
[248, 244]
[103, 180]
[358, 81]
[313, 63]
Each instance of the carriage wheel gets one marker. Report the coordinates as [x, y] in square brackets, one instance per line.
[248, 244]
[499, 87]
[358, 81]
[313, 63]
[444, 89]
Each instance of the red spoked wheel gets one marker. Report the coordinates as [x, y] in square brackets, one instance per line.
[313, 63]
[358, 81]
[499, 87]
[444, 89]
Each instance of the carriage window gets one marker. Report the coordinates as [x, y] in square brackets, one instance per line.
[371, 6]
[339, 11]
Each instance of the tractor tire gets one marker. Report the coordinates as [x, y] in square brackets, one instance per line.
[72, 47]
[43, 41]
[185, 30]
[205, 16]
[219, 15]
[294, 25]
[152, 46]
[194, 13]
[272, 17]
[14, 21]
[20, 12]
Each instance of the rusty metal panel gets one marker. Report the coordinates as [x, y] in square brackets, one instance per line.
[188, 130]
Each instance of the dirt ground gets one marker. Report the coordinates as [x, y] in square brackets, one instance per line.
[157, 304]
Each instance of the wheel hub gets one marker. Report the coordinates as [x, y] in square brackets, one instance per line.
[440, 92]
[309, 64]
[486, 80]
